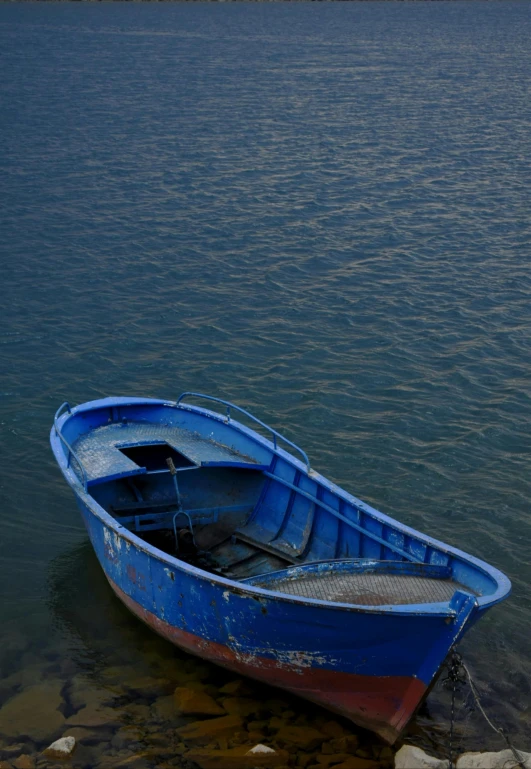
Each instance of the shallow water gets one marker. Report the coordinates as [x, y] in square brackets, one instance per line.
[320, 212]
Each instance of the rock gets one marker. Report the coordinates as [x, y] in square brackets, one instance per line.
[126, 738]
[241, 706]
[237, 758]
[24, 762]
[33, 712]
[5, 765]
[138, 712]
[7, 751]
[503, 760]
[238, 738]
[384, 754]
[183, 676]
[135, 760]
[259, 749]
[355, 762]
[21, 679]
[304, 737]
[196, 703]
[148, 686]
[86, 736]
[258, 726]
[236, 688]
[93, 716]
[255, 736]
[275, 706]
[331, 759]
[82, 693]
[410, 757]
[332, 729]
[204, 731]
[287, 715]
[164, 708]
[62, 748]
[347, 744]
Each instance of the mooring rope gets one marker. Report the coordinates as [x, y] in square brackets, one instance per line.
[456, 667]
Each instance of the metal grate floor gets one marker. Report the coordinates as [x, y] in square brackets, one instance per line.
[99, 454]
[367, 589]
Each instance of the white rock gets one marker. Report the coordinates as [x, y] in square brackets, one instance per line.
[409, 757]
[503, 760]
[61, 748]
[260, 749]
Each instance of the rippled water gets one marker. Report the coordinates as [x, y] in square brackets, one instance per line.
[320, 212]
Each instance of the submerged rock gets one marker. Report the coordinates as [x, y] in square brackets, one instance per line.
[235, 687]
[148, 686]
[7, 751]
[305, 737]
[333, 730]
[83, 693]
[331, 759]
[94, 716]
[241, 706]
[503, 760]
[347, 744]
[24, 762]
[196, 703]
[356, 762]
[164, 708]
[62, 748]
[214, 728]
[87, 736]
[34, 712]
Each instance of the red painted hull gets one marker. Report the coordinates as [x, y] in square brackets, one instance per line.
[383, 704]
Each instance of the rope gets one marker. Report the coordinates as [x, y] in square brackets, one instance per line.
[498, 729]
[456, 666]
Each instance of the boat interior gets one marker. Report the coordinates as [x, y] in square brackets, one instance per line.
[268, 524]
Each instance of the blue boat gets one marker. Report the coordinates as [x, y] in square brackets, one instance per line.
[229, 545]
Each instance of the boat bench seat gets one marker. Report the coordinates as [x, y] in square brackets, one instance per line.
[101, 451]
[155, 520]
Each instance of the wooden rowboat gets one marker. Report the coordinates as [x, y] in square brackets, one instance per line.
[232, 548]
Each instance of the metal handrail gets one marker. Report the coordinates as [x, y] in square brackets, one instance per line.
[71, 452]
[247, 414]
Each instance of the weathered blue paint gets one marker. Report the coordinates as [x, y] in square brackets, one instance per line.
[371, 663]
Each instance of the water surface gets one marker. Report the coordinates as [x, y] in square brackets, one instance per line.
[318, 211]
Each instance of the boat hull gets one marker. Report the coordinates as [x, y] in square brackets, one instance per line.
[383, 704]
[371, 662]
[371, 668]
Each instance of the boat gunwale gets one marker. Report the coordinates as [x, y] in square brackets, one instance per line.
[440, 609]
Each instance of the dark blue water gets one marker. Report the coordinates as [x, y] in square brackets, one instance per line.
[318, 211]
